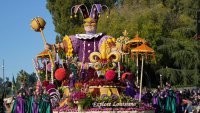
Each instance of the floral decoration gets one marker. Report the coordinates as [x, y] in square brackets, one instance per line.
[79, 95]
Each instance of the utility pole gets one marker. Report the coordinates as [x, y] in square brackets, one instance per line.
[3, 70]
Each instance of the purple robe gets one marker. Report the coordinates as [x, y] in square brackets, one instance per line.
[35, 105]
[20, 105]
[130, 90]
[83, 45]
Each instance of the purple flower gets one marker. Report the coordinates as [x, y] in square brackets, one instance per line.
[114, 97]
[104, 95]
[78, 96]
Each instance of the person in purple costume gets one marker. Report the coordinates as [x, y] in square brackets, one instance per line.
[155, 100]
[178, 102]
[35, 103]
[130, 91]
[83, 45]
[20, 103]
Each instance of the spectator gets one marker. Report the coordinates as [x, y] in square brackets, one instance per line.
[187, 106]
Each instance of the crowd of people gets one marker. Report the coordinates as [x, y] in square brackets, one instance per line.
[30, 101]
[171, 100]
[164, 100]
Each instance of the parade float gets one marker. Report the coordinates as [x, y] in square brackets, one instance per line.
[91, 77]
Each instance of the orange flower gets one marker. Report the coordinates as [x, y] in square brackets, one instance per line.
[78, 85]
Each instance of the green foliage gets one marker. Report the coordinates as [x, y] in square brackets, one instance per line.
[169, 26]
[130, 65]
[61, 11]
[22, 76]
[126, 99]
[25, 78]
[42, 75]
[88, 102]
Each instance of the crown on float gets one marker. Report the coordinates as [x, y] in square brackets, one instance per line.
[89, 18]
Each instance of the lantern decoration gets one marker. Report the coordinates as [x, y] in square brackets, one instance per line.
[123, 49]
[60, 74]
[110, 75]
[143, 50]
[43, 54]
[136, 41]
[121, 42]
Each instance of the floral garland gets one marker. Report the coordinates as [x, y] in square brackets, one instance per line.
[69, 44]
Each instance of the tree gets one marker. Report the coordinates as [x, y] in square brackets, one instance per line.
[13, 85]
[181, 61]
[13, 81]
[1, 86]
[8, 86]
[169, 26]
[1, 80]
[22, 78]
[32, 79]
[61, 12]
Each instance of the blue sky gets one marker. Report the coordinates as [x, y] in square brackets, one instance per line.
[19, 44]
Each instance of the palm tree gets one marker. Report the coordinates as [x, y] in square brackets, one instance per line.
[22, 77]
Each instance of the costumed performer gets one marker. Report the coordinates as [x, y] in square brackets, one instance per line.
[83, 45]
[170, 102]
[130, 89]
[19, 105]
[30, 101]
[44, 103]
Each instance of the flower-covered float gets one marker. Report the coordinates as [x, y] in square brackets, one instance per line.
[91, 76]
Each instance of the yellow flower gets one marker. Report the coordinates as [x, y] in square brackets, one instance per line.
[70, 50]
[70, 54]
[109, 40]
[113, 39]
[69, 46]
